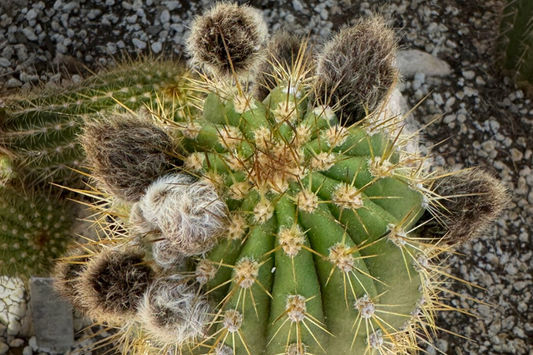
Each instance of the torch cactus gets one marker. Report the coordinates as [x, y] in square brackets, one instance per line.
[291, 224]
[39, 128]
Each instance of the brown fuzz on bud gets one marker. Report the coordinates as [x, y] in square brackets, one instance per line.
[174, 311]
[113, 285]
[228, 38]
[67, 273]
[282, 51]
[357, 69]
[127, 153]
[469, 202]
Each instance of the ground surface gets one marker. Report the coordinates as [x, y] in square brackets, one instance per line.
[482, 118]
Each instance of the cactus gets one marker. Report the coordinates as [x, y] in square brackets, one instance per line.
[285, 229]
[516, 40]
[39, 128]
[34, 229]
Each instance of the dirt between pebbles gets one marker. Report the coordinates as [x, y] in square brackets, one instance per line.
[482, 118]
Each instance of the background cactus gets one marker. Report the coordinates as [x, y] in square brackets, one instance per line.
[34, 229]
[516, 40]
[39, 128]
[305, 238]
[39, 145]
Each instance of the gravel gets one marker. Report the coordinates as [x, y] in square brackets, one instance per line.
[482, 119]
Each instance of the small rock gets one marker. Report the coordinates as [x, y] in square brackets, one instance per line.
[519, 285]
[30, 34]
[33, 343]
[438, 99]
[484, 310]
[31, 15]
[519, 332]
[4, 348]
[488, 146]
[138, 43]
[412, 61]
[93, 14]
[4, 63]
[60, 47]
[165, 16]
[448, 119]
[469, 74]
[470, 91]
[172, 5]
[297, 5]
[27, 351]
[13, 83]
[516, 155]
[156, 47]
[16, 342]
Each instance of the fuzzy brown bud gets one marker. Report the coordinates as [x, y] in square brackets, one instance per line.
[357, 68]
[469, 201]
[282, 51]
[228, 38]
[127, 153]
[113, 285]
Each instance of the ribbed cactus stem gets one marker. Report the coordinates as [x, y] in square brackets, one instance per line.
[299, 231]
[34, 229]
[516, 39]
[40, 129]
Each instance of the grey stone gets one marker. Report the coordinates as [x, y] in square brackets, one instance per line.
[13, 83]
[171, 5]
[30, 34]
[138, 43]
[52, 316]
[469, 74]
[16, 342]
[31, 15]
[412, 61]
[156, 47]
[297, 5]
[4, 62]
[165, 16]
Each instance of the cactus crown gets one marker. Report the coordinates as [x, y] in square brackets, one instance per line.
[286, 230]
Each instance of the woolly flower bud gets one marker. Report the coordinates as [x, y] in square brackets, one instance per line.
[126, 153]
[189, 214]
[282, 51]
[166, 255]
[113, 284]
[357, 68]
[173, 311]
[228, 37]
[468, 202]
[67, 273]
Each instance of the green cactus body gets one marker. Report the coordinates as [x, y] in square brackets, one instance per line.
[39, 128]
[34, 229]
[516, 40]
[318, 259]
[288, 227]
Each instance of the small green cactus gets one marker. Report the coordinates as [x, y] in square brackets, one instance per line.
[40, 128]
[516, 40]
[287, 227]
[34, 229]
